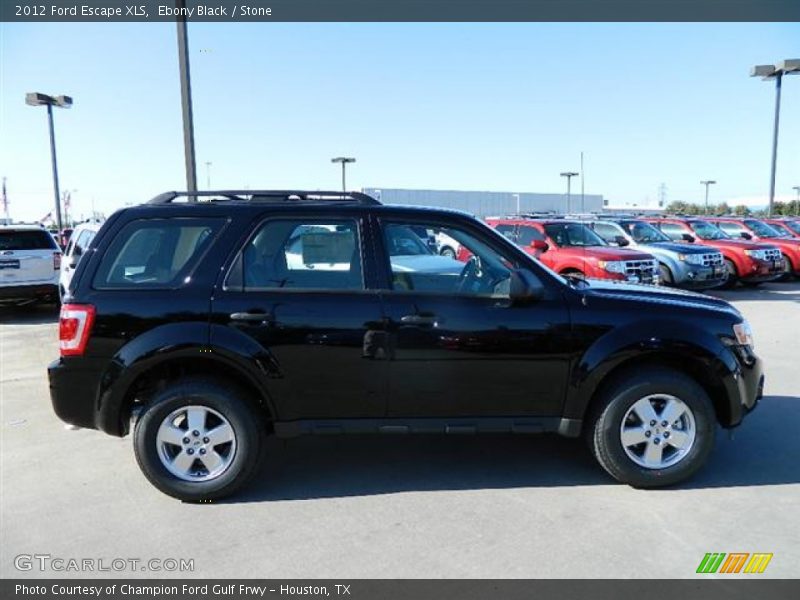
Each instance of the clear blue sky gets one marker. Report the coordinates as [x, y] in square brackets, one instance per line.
[443, 106]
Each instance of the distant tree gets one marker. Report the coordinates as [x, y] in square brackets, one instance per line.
[722, 209]
[792, 208]
[741, 210]
[779, 208]
[676, 206]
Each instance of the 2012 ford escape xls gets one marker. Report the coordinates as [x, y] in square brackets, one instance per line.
[206, 322]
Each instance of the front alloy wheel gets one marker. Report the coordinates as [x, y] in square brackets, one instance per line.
[658, 431]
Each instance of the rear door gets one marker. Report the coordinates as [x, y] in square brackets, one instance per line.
[300, 288]
[27, 257]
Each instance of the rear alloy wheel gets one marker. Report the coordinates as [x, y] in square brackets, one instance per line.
[448, 252]
[652, 428]
[198, 440]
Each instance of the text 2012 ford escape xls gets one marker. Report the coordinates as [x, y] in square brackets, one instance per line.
[206, 325]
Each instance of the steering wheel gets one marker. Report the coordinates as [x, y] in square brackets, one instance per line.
[471, 273]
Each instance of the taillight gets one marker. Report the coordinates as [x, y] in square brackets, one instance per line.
[74, 327]
[56, 261]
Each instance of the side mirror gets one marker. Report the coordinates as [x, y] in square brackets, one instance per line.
[525, 287]
[621, 241]
[540, 245]
[74, 260]
[687, 238]
[745, 235]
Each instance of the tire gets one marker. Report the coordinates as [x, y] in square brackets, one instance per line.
[618, 408]
[788, 269]
[665, 275]
[448, 252]
[219, 403]
[733, 276]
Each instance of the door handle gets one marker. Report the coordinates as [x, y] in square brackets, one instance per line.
[252, 317]
[429, 320]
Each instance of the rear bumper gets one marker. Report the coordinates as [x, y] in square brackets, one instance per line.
[72, 393]
[37, 291]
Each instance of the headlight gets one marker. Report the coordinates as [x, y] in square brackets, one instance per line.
[612, 266]
[743, 333]
[692, 259]
[759, 254]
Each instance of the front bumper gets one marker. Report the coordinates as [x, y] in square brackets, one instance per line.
[763, 270]
[745, 386]
[697, 277]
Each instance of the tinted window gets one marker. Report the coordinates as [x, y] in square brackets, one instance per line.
[528, 233]
[20, 239]
[673, 230]
[508, 231]
[82, 243]
[762, 229]
[573, 234]
[301, 254]
[155, 253]
[707, 231]
[482, 272]
[607, 231]
[732, 228]
[644, 233]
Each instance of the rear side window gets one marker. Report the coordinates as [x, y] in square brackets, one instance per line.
[31, 239]
[155, 253]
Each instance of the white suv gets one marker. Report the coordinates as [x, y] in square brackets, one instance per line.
[30, 260]
[79, 241]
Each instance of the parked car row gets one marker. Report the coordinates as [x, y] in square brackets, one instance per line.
[686, 252]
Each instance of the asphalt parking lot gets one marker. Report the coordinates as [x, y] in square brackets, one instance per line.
[454, 507]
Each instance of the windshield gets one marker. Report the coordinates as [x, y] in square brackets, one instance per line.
[644, 233]
[764, 230]
[707, 231]
[567, 235]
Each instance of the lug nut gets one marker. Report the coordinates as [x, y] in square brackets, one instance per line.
[186, 440]
[190, 452]
[657, 441]
[647, 434]
[205, 440]
[202, 450]
[195, 433]
[652, 423]
[666, 434]
[664, 423]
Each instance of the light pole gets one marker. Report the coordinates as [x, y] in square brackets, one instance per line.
[208, 174]
[186, 103]
[707, 183]
[775, 72]
[344, 160]
[797, 189]
[38, 99]
[517, 198]
[569, 175]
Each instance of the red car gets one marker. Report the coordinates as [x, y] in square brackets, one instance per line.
[754, 229]
[572, 248]
[789, 225]
[747, 262]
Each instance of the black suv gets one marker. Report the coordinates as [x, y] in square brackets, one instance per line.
[211, 319]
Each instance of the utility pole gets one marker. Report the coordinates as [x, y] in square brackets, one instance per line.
[186, 103]
[569, 175]
[707, 183]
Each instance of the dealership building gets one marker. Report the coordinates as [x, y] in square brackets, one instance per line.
[484, 204]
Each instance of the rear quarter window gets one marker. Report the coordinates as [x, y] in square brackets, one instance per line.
[20, 239]
[155, 253]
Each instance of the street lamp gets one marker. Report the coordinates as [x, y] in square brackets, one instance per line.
[797, 189]
[184, 73]
[707, 183]
[517, 198]
[38, 99]
[208, 174]
[776, 72]
[344, 160]
[569, 175]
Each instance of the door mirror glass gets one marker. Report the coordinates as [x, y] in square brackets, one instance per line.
[525, 287]
[745, 235]
[686, 237]
[621, 240]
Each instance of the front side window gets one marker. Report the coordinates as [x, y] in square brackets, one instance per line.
[707, 231]
[300, 254]
[155, 253]
[481, 271]
[673, 230]
[607, 231]
[733, 229]
[527, 234]
[567, 235]
[644, 233]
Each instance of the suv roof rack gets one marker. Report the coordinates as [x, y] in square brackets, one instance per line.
[265, 196]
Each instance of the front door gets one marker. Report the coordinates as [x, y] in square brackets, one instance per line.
[297, 288]
[458, 346]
